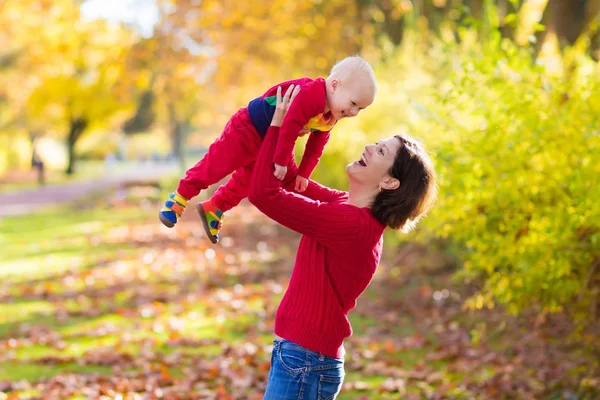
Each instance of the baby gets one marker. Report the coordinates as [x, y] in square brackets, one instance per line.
[349, 88]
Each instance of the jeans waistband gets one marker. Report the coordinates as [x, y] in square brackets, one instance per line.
[287, 344]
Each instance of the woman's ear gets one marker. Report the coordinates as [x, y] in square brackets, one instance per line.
[389, 183]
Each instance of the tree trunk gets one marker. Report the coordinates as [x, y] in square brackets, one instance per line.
[592, 22]
[78, 126]
[176, 133]
[475, 8]
[565, 18]
[467, 9]
[571, 20]
[595, 46]
[549, 22]
[507, 7]
[435, 12]
[392, 27]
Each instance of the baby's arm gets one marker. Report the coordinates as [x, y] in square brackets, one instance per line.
[308, 103]
[312, 153]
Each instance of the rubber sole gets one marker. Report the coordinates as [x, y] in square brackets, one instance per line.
[202, 214]
[165, 221]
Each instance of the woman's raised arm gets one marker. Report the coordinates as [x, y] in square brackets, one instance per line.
[329, 223]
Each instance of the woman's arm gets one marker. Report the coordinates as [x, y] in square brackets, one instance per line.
[330, 223]
[315, 190]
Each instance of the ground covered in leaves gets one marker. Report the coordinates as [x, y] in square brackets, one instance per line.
[103, 302]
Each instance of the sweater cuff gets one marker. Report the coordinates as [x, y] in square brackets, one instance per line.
[305, 171]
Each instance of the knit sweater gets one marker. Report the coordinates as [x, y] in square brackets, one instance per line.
[305, 112]
[336, 260]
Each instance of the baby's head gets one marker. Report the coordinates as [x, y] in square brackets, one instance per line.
[351, 87]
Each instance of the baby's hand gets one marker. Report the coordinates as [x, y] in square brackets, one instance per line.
[304, 132]
[301, 184]
[280, 171]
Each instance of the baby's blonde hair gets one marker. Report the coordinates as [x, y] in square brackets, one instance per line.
[353, 67]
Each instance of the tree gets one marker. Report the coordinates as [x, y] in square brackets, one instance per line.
[81, 73]
[20, 68]
[257, 40]
[508, 11]
[562, 18]
[172, 82]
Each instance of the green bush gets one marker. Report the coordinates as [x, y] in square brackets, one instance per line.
[518, 156]
[519, 188]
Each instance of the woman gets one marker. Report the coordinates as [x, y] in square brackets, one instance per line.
[392, 184]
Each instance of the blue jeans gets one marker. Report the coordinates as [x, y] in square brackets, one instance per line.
[300, 374]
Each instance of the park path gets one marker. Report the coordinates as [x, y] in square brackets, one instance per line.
[32, 200]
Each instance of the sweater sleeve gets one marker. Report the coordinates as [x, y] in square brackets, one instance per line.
[331, 223]
[316, 191]
[310, 101]
[312, 153]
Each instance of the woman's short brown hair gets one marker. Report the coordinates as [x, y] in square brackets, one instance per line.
[402, 208]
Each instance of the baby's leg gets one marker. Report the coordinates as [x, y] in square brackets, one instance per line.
[234, 190]
[225, 198]
[230, 194]
[236, 147]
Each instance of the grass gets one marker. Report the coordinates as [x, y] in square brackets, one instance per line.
[80, 276]
[88, 291]
[16, 371]
[55, 254]
[41, 245]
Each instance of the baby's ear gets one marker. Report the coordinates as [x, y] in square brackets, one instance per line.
[335, 83]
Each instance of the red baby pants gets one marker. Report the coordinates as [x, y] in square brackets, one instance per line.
[234, 151]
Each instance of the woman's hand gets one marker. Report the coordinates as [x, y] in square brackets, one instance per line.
[280, 171]
[301, 184]
[283, 104]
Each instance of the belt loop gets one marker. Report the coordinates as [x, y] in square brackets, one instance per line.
[321, 357]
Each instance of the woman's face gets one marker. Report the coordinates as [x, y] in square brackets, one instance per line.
[375, 162]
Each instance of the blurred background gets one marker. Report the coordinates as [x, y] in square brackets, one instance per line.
[105, 103]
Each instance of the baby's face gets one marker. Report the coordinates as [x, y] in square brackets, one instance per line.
[350, 97]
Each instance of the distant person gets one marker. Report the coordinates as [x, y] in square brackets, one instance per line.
[350, 88]
[392, 184]
[37, 163]
[110, 162]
